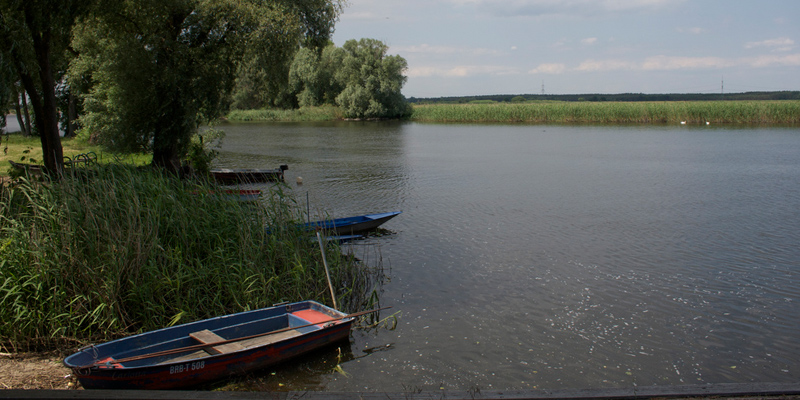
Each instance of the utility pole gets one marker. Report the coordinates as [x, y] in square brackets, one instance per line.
[542, 86]
[722, 88]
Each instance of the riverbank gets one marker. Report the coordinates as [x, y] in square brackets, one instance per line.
[119, 250]
[767, 112]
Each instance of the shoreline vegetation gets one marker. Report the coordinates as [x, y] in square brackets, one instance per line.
[116, 249]
[745, 112]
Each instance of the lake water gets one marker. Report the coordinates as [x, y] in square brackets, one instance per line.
[553, 257]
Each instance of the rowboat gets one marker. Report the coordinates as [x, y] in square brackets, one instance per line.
[353, 225]
[227, 176]
[209, 350]
[243, 195]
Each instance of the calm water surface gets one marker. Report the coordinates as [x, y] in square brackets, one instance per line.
[556, 256]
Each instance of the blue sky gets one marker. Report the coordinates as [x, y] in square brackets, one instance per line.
[474, 47]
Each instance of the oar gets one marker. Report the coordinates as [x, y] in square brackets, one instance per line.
[204, 345]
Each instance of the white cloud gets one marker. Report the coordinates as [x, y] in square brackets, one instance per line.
[549, 69]
[670, 63]
[589, 41]
[662, 63]
[777, 44]
[428, 49]
[460, 71]
[563, 7]
[605, 65]
[789, 60]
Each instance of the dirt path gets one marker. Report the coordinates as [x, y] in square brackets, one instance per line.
[35, 371]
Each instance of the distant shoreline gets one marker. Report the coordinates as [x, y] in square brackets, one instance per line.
[742, 112]
[784, 112]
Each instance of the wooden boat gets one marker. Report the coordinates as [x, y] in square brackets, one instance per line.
[353, 225]
[28, 169]
[212, 349]
[243, 195]
[233, 176]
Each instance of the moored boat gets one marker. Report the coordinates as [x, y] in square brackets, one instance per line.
[353, 225]
[227, 176]
[209, 350]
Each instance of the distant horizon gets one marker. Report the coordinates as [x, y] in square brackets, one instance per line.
[461, 47]
[734, 94]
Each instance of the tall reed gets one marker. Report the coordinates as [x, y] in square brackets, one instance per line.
[305, 114]
[696, 112]
[124, 250]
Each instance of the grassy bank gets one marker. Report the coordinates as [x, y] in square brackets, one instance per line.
[18, 148]
[305, 114]
[125, 250]
[698, 112]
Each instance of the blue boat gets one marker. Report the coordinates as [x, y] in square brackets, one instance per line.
[209, 350]
[353, 225]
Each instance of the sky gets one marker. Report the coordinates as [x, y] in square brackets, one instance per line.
[483, 47]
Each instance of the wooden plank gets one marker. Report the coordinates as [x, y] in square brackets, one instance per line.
[269, 339]
[207, 337]
[191, 356]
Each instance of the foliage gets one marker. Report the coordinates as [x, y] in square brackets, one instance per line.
[305, 114]
[263, 75]
[125, 250]
[159, 68]
[740, 112]
[372, 81]
[359, 77]
[312, 76]
[36, 36]
[202, 150]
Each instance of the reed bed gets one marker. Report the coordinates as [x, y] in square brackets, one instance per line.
[305, 114]
[125, 250]
[698, 112]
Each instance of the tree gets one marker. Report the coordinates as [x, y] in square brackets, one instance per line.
[159, 68]
[372, 81]
[36, 35]
[358, 77]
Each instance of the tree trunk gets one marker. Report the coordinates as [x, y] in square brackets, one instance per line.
[72, 116]
[27, 127]
[20, 120]
[165, 151]
[44, 106]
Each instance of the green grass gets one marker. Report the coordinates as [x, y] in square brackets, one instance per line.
[717, 112]
[18, 148]
[305, 114]
[120, 249]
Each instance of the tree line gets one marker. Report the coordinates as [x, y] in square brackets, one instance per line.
[143, 75]
[625, 97]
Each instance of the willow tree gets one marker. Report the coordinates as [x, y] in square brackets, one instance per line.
[157, 69]
[372, 81]
[36, 35]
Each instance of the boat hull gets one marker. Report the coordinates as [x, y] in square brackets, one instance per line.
[183, 372]
[238, 176]
[353, 225]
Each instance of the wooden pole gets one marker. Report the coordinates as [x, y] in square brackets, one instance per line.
[325, 263]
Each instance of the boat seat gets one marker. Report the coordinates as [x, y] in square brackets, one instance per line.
[207, 337]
